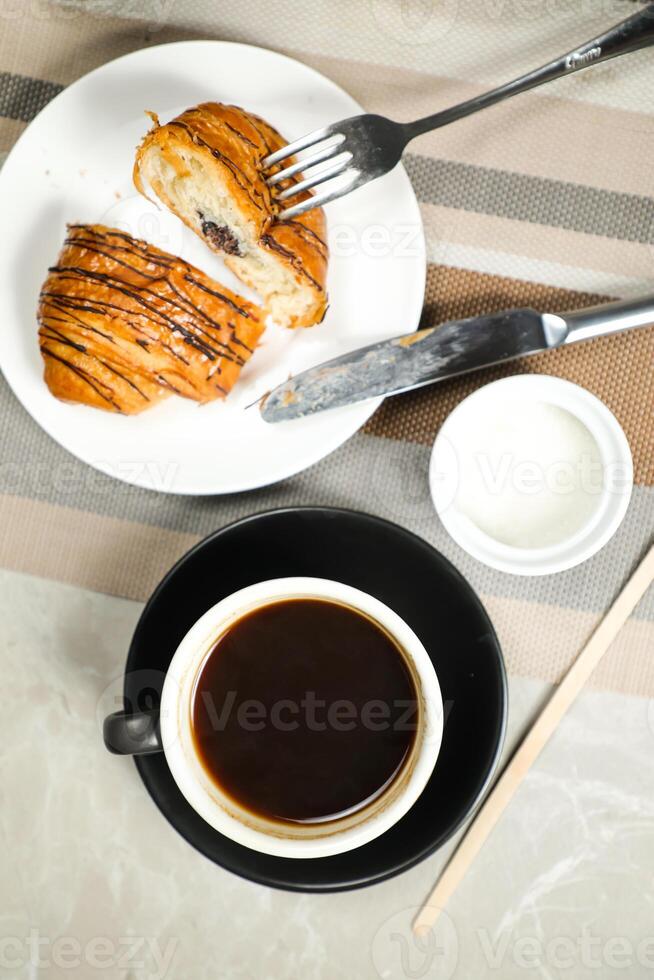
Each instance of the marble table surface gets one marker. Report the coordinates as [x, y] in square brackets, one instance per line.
[94, 882]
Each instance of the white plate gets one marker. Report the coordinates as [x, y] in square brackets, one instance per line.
[74, 163]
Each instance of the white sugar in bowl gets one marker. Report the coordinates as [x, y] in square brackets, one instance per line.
[531, 474]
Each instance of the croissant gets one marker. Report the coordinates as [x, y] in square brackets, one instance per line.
[205, 166]
[123, 324]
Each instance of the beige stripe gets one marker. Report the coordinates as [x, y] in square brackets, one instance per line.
[542, 641]
[61, 45]
[445, 226]
[492, 40]
[493, 262]
[536, 135]
[101, 553]
[129, 559]
[10, 130]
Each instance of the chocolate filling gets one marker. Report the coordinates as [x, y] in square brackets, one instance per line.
[220, 236]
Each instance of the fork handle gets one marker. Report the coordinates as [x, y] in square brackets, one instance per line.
[631, 34]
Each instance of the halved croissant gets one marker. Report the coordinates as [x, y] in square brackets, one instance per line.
[122, 324]
[205, 166]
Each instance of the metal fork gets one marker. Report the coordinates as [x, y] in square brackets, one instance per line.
[362, 148]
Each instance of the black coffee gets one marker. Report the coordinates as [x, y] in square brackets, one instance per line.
[304, 710]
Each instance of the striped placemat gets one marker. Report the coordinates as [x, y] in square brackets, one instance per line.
[544, 201]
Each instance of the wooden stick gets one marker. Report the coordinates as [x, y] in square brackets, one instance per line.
[533, 743]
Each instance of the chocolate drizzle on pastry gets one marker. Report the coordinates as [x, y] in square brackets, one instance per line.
[309, 234]
[122, 324]
[273, 244]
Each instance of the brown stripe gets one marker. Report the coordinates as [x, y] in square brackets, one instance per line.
[542, 641]
[105, 554]
[617, 369]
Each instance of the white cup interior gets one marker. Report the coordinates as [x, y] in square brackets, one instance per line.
[220, 810]
[612, 502]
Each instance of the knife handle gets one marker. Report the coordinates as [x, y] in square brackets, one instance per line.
[596, 321]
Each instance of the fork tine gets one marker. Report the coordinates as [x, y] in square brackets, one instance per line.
[324, 154]
[300, 144]
[317, 200]
[323, 173]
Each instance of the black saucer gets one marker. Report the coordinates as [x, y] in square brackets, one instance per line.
[418, 583]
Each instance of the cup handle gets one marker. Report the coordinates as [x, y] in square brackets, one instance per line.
[129, 733]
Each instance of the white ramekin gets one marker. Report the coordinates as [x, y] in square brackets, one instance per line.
[613, 498]
[219, 810]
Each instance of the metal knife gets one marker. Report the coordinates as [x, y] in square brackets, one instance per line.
[435, 353]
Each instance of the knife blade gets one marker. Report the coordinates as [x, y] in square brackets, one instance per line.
[435, 353]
